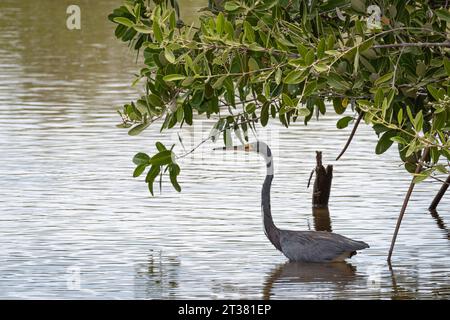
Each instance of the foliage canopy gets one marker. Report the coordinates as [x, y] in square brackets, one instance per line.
[255, 61]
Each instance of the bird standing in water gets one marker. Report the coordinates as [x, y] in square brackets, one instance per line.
[299, 246]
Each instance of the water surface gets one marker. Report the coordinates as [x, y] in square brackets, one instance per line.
[75, 224]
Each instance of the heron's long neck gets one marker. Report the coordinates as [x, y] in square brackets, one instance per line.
[271, 231]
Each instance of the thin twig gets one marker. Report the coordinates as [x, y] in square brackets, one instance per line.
[418, 44]
[310, 177]
[440, 180]
[405, 204]
[210, 137]
[350, 138]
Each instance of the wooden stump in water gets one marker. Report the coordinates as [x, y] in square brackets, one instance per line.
[322, 183]
[321, 195]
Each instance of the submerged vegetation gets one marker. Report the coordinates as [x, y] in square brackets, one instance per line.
[255, 61]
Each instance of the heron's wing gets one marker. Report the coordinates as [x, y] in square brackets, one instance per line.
[317, 245]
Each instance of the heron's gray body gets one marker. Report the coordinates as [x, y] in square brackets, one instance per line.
[318, 246]
[302, 246]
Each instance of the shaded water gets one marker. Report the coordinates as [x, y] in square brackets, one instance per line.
[75, 224]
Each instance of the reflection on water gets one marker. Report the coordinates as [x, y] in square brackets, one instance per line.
[322, 220]
[71, 212]
[290, 273]
[157, 278]
[440, 223]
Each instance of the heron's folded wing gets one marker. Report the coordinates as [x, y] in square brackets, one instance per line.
[317, 246]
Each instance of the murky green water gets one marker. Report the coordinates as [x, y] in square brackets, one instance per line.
[75, 224]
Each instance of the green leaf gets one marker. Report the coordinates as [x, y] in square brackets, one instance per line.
[447, 66]
[321, 48]
[385, 142]
[434, 154]
[220, 23]
[309, 57]
[435, 92]
[138, 129]
[378, 99]
[264, 114]
[188, 113]
[231, 6]
[157, 32]
[249, 32]
[151, 176]
[155, 100]
[141, 159]
[142, 29]
[384, 107]
[229, 29]
[250, 108]
[338, 105]
[418, 121]
[309, 89]
[160, 146]
[359, 6]
[162, 158]
[278, 76]
[139, 170]
[287, 100]
[168, 54]
[343, 122]
[441, 168]
[410, 115]
[420, 177]
[303, 112]
[188, 81]
[180, 114]
[411, 148]
[174, 171]
[400, 117]
[399, 140]
[219, 82]
[320, 67]
[439, 120]
[337, 82]
[443, 15]
[252, 65]
[124, 21]
[174, 77]
[384, 78]
[294, 77]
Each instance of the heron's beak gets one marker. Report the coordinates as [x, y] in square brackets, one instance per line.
[245, 147]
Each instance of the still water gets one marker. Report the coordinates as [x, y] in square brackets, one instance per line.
[75, 224]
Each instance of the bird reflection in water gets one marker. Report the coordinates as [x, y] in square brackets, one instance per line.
[339, 273]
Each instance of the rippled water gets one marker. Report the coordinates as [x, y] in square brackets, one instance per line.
[75, 224]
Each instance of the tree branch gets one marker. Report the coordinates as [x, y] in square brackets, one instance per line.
[440, 194]
[352, 134]
[405, 204]
[418, 44]
[210, 137]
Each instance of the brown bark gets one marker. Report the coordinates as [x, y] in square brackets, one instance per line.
[439, 195]
[322, 183]
[405, 204]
